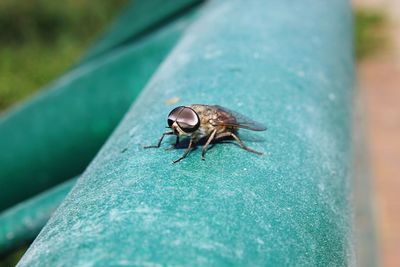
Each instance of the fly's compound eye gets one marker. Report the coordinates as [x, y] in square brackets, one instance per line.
[187, 119]
[173, 115]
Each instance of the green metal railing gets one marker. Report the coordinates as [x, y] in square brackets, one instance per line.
[288, 64]
[22, 223]
[139, 19]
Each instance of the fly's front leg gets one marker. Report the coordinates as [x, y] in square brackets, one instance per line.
[159, 141]
[241, 144]
[186, 152]
[175, 145]
[209, 140]
[177, 140]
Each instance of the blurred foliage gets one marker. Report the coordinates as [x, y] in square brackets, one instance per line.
[370, 28]
[11, 259]
[40, 39]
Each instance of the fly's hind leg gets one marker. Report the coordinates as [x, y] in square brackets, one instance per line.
[240, 142]
[186, 152]
[209, 140]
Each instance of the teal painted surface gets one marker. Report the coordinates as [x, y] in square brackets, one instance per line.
[23, 222]
[140, 17]
[288, 64]
[55, 135]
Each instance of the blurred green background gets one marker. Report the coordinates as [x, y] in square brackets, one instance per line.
[370, 26]
[41, 39]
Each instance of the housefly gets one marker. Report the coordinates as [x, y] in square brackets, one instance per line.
[208, 122]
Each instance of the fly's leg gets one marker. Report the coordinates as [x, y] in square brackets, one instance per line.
[209, 140]
[177, 140]
[186, 152]
[241, 144]
[159, 141]
[175, 145]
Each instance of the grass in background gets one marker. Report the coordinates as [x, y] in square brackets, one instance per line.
[41, 39]
[12, 259]
[369, 31]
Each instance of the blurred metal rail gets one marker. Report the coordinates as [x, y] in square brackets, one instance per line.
[22, 223]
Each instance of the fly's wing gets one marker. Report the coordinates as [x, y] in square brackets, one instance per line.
[227, 117]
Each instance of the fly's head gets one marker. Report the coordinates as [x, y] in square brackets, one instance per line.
[183, 121]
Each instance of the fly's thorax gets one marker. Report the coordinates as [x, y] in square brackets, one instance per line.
[206, 113]
[208, 120]
[199, 134]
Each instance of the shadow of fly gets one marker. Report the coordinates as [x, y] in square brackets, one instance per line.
[207, 122]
